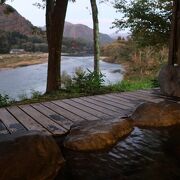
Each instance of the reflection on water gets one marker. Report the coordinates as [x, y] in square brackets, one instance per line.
[144, 155]
[23, 80]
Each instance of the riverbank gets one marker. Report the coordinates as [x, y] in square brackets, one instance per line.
[10, 61]
[29, 82]
[139, 63]
[19, 60]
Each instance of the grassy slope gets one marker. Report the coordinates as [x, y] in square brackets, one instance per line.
[139, 64]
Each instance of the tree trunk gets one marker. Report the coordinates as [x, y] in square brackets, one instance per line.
[96, 35]
[174, 49]
[55, 19]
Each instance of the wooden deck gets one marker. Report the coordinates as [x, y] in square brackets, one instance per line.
[56, 117]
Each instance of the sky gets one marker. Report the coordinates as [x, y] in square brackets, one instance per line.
[77, 13]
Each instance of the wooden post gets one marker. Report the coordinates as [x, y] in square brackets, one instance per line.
[174, 47]
[178, 33]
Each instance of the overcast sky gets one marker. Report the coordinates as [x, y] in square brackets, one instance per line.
[79, 12]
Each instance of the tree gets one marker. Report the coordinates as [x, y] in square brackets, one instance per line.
[55, 19]
[2, 1]
[148, 20]
[4, 42]
[95, 35]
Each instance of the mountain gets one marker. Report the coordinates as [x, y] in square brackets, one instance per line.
[11, 20]
[83, 32]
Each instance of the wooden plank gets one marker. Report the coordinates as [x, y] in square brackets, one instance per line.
[113, 95]
[130, 102]
[101, 104]
[121, 101]
[47, 123]
[114, 104]
[3, 129]
[75, 110]
[86, 109]
[67, 114]
[59, 119]
[94, 106]
[152, 91]
[145, 98]
[26, 120]
[139, 97]
[116, 111]
[158, 95]
[10, 122]
[146, 91]
[153, 96]
[135, 100]
[149, 95]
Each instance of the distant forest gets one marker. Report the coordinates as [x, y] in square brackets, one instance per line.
[38, 43]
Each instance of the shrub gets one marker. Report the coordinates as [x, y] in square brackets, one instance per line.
[35, 94]
[4, 100]
[85, 82]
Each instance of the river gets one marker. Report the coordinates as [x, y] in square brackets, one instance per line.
[23, 80]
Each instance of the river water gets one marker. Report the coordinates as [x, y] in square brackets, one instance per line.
[23, 80]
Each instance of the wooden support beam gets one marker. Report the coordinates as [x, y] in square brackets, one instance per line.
[178, 33]
[174, 46]
[172, 43]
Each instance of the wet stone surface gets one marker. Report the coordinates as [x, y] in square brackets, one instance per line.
[97, 135]
[161, 114]
[144, 154]
[29, 155]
